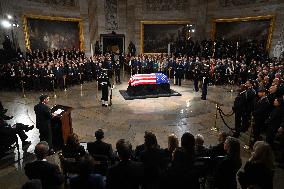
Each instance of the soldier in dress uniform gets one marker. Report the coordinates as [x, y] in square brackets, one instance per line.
[117, 69]
[179, 68]
[205, 81]
[104, 81]
[36, 77]
[196, 76]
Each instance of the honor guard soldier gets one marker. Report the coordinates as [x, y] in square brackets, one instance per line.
[104, 81]
[205, 81]
[178, 71]
[117, 69]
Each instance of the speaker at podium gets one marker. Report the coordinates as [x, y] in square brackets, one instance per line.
[61, 125]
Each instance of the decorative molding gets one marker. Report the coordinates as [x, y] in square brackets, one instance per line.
[111, 17]
[233, 3]
[164, 5]
[63, 3]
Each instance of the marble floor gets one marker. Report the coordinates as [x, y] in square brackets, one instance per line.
[124, 119]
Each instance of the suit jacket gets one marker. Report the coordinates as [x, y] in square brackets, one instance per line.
[126, 174]
[100, 148]
[43, 116]
[48, 173]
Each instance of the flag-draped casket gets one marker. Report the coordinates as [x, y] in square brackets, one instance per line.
[147, 84]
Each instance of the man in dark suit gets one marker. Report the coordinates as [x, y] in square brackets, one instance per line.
[260, 113]
[126, 174]
[43, 119]
[99, 147]
[48, 173]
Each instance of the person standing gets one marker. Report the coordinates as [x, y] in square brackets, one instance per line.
[104, 81]
[204, 86]
[43, 120]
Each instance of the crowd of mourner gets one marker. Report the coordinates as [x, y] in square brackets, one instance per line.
[259, 103]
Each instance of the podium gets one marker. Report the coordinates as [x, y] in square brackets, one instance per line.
[61, 125]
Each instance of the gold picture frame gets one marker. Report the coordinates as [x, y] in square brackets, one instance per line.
[149, 22]
[245, 19]
[25, 18]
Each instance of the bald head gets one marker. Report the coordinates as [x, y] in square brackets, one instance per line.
[41, 150]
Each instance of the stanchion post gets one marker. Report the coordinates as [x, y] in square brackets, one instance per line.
[54, 94]
[97, 96]
[23, 88]
[169, 73]
[215, 128]
[248, 143]
[64, 83]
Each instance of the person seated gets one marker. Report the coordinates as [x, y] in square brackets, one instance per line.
[126, 174]
[49, 174]
[181, 173]
[152, 160]
[200, 149]
[73, 149]
[99, 147]
[227, 168]
[173, 144]
[86, 179]
[218, 150]
[140, 148]
[9, 134]
[258, 170]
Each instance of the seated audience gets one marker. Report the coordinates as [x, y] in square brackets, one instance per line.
[73, 149]
[200, 149]
[48, 173]
[127, 174]
[140, 148]
[173, 144]
[218, 150]
[153, 161]
[99, 147]
[258, 171]
[85, 179]
[181, 174]
[227, 168]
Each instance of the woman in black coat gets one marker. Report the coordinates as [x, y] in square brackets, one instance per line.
[227, 169]
[258, 171]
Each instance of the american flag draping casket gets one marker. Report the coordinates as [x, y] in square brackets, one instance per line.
[148, 79]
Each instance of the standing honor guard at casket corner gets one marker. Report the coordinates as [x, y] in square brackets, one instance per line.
[104, 82]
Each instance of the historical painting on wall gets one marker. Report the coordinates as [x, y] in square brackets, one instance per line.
[52, 33]
[156, 35]
[257, 29]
